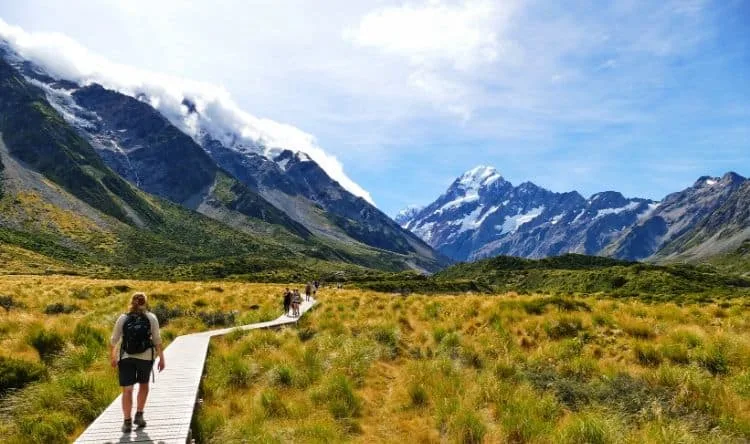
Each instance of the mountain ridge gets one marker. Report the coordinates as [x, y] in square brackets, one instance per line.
[64, 202]
[482, 215]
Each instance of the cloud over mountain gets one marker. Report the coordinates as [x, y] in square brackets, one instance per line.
[219, 114]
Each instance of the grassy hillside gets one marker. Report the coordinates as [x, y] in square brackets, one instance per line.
[737, 262]
[572, 274]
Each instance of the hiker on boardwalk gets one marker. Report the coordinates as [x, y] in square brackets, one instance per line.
[287, 301]
[308, 292]
[141, 343]
[296, 301]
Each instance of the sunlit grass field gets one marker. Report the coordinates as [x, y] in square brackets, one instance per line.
[56, 332]
[375, 367]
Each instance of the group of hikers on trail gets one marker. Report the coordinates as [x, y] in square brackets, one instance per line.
[293, 298]
[137, 333]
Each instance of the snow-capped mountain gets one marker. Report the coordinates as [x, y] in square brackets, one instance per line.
[219, 176]
[407, 214]
[482, 215]
[677, 215]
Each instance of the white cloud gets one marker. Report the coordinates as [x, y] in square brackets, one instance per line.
[461, 34]
[444, 43]
[221, 116]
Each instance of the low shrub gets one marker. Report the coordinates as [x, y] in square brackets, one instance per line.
[283, 375]
[676, 353]
[7, 302]
[638, 329]
[217, 318]
[387, 337]
[418, 395]
[590, 428]
[468, 427]
[525, 414]
[647, 354]
[82, 293]
[305, 333]
[48, 343]
[238, 372]
[341, 399]
[715, 358]
[564, 327]
[272, 405]
[17, 373]
[60, 308]
[164, 314]
[84, 335]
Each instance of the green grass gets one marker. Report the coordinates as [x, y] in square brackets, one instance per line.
[570, 274]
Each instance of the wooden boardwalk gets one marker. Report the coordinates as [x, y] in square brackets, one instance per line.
[170, 405]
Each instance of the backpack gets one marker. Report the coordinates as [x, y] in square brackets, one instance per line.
[136, 334]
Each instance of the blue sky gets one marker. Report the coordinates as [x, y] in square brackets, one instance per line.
[634, 95]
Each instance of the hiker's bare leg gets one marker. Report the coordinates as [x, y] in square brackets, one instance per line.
[142, 395]
[127, 402]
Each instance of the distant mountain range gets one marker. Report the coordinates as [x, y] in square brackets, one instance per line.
[483, 215]
[110, 159]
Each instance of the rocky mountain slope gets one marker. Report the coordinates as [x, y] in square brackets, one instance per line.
[230, 180]
[483, 215]
[677, 215]
[235, 183]
[64, 202]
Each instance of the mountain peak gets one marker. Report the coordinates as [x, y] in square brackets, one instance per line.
[479, 176]
[407, 214]
[732, 177]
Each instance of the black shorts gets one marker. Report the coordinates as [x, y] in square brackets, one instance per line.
[132, 370]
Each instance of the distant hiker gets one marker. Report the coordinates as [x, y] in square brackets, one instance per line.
[308, 292]
[296, 300]
[287, 301]
[141, 343]
[316, 285]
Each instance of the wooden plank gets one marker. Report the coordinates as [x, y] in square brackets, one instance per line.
[171, 400]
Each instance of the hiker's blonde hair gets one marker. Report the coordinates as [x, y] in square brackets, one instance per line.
[138, 303]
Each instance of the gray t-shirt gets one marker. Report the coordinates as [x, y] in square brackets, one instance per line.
[155, 337]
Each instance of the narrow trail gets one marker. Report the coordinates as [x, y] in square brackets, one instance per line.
[171, 402]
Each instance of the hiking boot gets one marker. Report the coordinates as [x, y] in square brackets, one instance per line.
[127, 426]
[139, 421]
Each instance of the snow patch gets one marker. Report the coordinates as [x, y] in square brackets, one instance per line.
[579, 215]
[557, 219]
[472, 197]
[424, 231]
[476, 218]
[606, 211]
[513, 223]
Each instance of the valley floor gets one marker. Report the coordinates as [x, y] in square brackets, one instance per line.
[375, 367]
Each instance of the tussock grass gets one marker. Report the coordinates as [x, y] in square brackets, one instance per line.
[54, 374]
[506, 368]
[373, 367]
